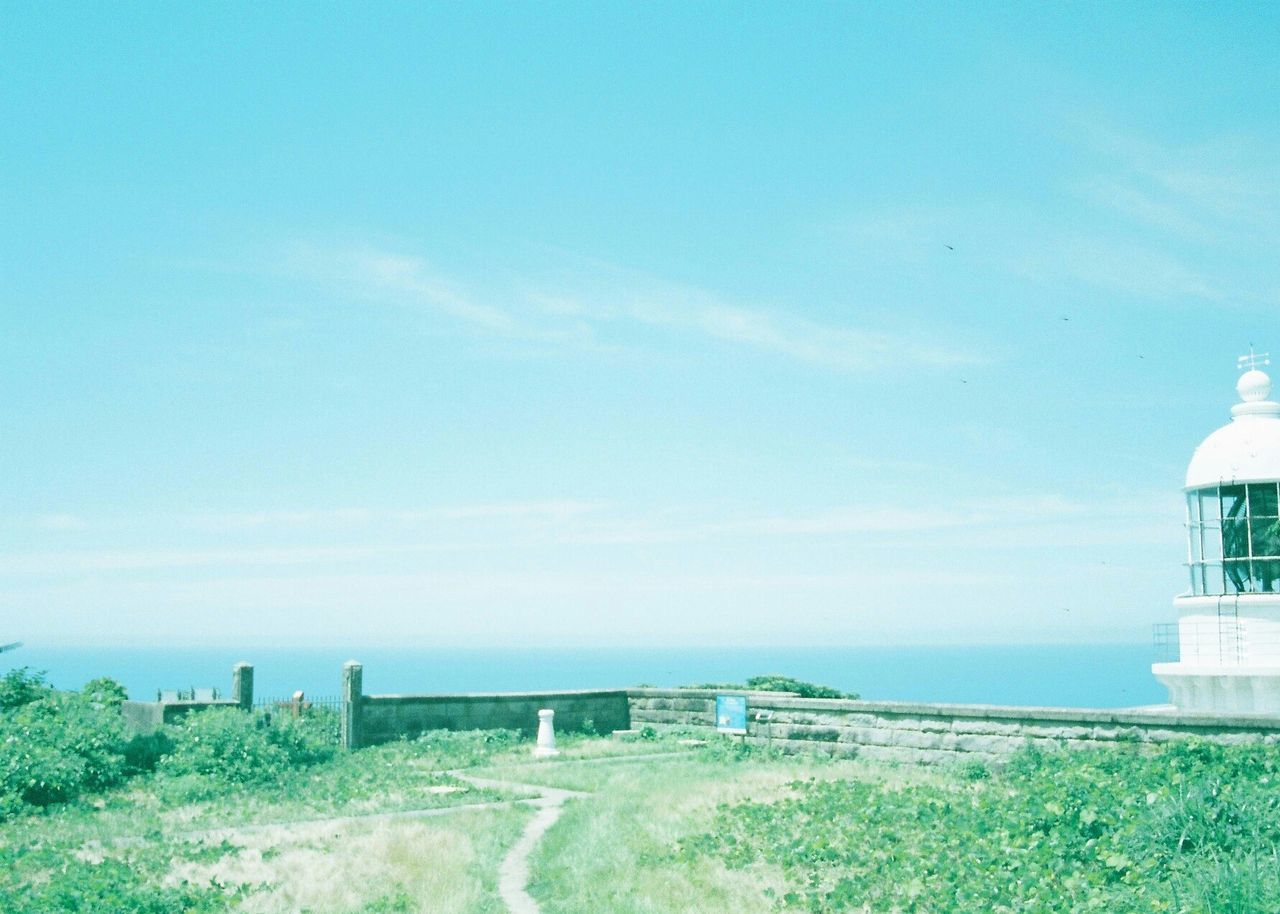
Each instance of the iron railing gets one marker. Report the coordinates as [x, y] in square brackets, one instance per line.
[299, 704]
[322, 711]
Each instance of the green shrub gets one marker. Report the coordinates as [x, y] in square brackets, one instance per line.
[55, 745]
[1191, 828]
[22, 686]
[463, 748]
[774, 682]
[106, 693]
[143, 752]
[233, 747]
[132, 885]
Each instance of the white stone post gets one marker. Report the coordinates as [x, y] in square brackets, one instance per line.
[546, 735]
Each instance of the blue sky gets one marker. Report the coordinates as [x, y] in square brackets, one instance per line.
[568, 324]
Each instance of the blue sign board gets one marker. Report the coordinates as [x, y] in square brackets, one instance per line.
[731, 713]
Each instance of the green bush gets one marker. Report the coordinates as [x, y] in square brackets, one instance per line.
[55, 745]
[22, 686]
[132, 884]
[104, 692]
[143, 752]
[775, 682]
[232, 747]
[1192, 828]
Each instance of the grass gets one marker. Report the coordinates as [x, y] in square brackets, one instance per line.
[615, 850]
[303, 842]
[1189, 828]
[442, 865]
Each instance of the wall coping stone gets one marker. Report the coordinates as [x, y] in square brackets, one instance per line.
[443, 697]
[1161, 715]
[712, 693]
[186, 703]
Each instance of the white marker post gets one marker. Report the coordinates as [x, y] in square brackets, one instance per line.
[546, 735]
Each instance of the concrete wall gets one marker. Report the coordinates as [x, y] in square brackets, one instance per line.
[382, 718]
[143, 717]
[910, 732]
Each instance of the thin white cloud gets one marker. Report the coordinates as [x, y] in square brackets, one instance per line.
[1131, 268]
[1161, 223]
[514, 528]
[407, 280]
[616, 297]
[619, 301]
[352, 518]
[1224, 191]
[62, 523]
[1140, 205]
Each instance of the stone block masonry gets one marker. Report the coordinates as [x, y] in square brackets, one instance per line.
[143, 717]
[915, 732]
[382, 718]
[884, 730]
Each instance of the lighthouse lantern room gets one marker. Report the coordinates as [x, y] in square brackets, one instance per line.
[1229, 619]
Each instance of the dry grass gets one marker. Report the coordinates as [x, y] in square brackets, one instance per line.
[611, 853]
[439, 866]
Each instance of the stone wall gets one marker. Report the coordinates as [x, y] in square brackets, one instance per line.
[382, 718]
[910, 732]
[143, 717]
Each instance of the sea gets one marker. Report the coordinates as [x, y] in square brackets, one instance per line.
[1045, 675]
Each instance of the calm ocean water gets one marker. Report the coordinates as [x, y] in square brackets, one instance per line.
[1098, 676]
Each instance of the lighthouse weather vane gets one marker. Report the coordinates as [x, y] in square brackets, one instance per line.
[1251, 361]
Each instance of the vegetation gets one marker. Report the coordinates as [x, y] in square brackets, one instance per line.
[220, 812]
[1193, 827]
[230, 746]
[54, 746]
[229, 810]
[774, 682]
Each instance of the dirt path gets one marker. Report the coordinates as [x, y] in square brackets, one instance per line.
[513, 873]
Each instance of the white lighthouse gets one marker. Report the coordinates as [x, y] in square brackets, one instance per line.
[1229, 621]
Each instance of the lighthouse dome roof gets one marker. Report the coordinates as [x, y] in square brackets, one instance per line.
[1247, 449]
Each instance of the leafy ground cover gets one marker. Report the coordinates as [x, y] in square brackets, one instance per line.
[1192, 828]
[232, 811]
[615, 851]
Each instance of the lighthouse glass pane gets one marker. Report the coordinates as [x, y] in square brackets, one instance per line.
[1212, 580]
[1262, 500]
[1267, 576]
[1193, 508]
[1209, 506]
[1236, 576]
[1232, 498]
[1264, 536]
[1212, 539]
[1197, 554]
[1235, 538]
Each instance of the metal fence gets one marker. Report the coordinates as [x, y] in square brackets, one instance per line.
[191, 694]
[325, 711]
[299, 704]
